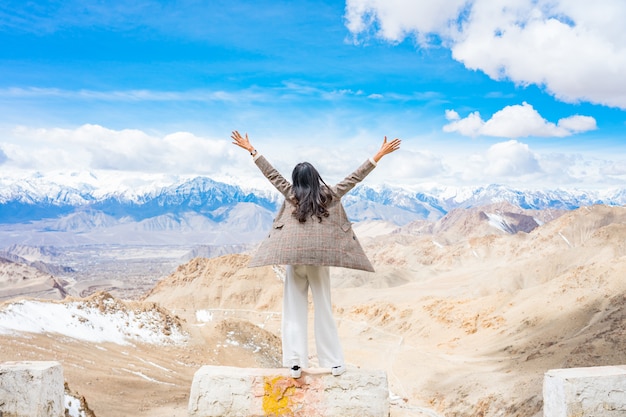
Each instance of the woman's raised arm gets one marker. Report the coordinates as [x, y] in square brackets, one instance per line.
[266, 168]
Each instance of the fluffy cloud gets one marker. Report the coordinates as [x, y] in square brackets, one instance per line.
[3, 157]
[110, 152]
[576, 49]
[469, 126]
[510, 158]
[395, 19]
[93, 147]
[515, 122]
[139, 158]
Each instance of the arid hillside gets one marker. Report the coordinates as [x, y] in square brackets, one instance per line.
[20, 280]
[470, 325]
[465, 318]
[219, 283]
[128, 358]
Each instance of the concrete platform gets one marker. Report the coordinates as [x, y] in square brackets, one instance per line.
[31, 389]
[250, 392]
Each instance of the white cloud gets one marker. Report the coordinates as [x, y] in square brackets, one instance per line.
[393, 20]
[452, 115]
[112, 153]
[515, 122]
[93, 147]
[131, 157]
[510, 158]
[520, 121]
[515, 163]
[472, 125]
[578, 123]
[575, 48]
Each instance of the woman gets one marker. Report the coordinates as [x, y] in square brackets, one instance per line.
[311, 233]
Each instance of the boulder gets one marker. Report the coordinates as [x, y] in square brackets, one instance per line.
[598, 391]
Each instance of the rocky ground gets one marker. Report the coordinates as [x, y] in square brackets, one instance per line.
[465, 324]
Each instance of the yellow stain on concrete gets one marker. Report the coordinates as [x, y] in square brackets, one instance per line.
[276, 397]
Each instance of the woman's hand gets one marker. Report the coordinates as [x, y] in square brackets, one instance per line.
[387, 148]
[241, 141]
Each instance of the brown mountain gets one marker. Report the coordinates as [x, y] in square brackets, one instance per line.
[18, 280]
[464, 319]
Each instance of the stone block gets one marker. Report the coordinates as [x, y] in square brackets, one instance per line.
[31, 389]
[584, 392]
[253, 392]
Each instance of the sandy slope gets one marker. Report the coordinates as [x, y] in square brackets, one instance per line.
[18, 280]
[470, 328]
[140, 375]
[464, 326]
[482, 320]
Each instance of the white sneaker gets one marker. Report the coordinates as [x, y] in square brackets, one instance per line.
[338, 370]
[296, 371]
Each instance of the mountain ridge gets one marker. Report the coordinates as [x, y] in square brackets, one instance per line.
[26, 200]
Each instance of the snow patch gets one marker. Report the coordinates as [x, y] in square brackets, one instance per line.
[204, 316]
[154, 364]
[439, 245]
[73, 407]
[497, 221]
[147, 378]
[566, 241]
[79, 320]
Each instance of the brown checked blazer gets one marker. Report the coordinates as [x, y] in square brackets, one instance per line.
[329, 243]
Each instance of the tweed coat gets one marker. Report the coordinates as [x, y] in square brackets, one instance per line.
[330, 242]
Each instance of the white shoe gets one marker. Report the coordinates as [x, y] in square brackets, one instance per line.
[296, 371]
[338, 370]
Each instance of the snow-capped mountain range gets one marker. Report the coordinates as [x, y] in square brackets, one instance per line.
[223, 213]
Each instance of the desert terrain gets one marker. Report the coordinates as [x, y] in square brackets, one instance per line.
[464, 315]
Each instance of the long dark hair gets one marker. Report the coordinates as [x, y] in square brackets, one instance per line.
[311, 194]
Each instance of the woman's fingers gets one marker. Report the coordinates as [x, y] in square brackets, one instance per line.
[392, 146]
[236, 136]
[238, 139]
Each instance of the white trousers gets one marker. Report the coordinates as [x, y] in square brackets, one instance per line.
[295, 318]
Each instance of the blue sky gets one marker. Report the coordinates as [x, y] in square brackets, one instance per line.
[531, 96]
